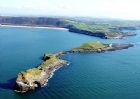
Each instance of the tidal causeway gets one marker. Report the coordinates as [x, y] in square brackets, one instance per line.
[34, 78]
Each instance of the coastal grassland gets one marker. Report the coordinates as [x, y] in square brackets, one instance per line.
[51, 60]
[35, 73]
[96, 28]
[91, 27]
[30, 74]
[108, 27]
[91, 46]
[94, 45]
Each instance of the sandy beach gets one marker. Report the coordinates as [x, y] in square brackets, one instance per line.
[22, 26]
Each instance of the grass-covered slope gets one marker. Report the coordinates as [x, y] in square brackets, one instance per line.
[30, 74]
[110, 29]
[91, 46]
[100, 47]
[94, 45]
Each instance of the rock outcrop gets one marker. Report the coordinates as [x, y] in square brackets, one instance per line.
[38, 77]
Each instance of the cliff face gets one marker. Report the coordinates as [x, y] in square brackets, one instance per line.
[80, 31]
[33, 21]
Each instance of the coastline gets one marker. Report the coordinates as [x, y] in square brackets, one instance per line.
[27, 26]
[101, 35]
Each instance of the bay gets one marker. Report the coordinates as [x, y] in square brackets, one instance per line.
[110, 75]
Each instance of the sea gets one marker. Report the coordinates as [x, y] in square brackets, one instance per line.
[109, 75]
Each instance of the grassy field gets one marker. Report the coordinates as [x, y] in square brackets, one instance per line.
[111, 28]
[91, 46]
[34, 73]
[52, 59]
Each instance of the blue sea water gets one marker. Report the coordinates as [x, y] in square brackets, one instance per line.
[110, 75]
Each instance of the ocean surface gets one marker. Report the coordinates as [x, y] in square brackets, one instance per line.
[109, 75]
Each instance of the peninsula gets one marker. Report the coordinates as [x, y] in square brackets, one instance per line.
[38, 77]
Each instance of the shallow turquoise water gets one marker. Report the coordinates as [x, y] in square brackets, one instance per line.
[110, 75]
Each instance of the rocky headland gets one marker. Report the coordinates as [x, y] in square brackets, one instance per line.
[38, 77]
[86, 32]
[118, 34]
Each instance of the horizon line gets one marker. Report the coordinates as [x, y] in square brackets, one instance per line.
[64, 16]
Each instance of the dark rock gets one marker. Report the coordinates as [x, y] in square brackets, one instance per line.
[45, 57]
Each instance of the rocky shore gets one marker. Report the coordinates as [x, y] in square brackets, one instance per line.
[39, 76]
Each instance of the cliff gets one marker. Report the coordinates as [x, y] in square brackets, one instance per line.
[81, 31]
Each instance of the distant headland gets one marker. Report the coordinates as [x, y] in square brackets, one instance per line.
[106, 29]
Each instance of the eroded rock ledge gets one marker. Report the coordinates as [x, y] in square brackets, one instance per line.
[38, 77]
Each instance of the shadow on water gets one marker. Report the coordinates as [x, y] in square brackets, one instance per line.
[41, 58]
[8, 85]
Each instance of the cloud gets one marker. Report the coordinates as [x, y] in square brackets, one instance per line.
[95, 8]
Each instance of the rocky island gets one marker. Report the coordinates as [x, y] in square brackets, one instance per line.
[100, 47]
[38, 77]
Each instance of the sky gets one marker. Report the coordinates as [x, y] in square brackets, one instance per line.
[122, 9]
